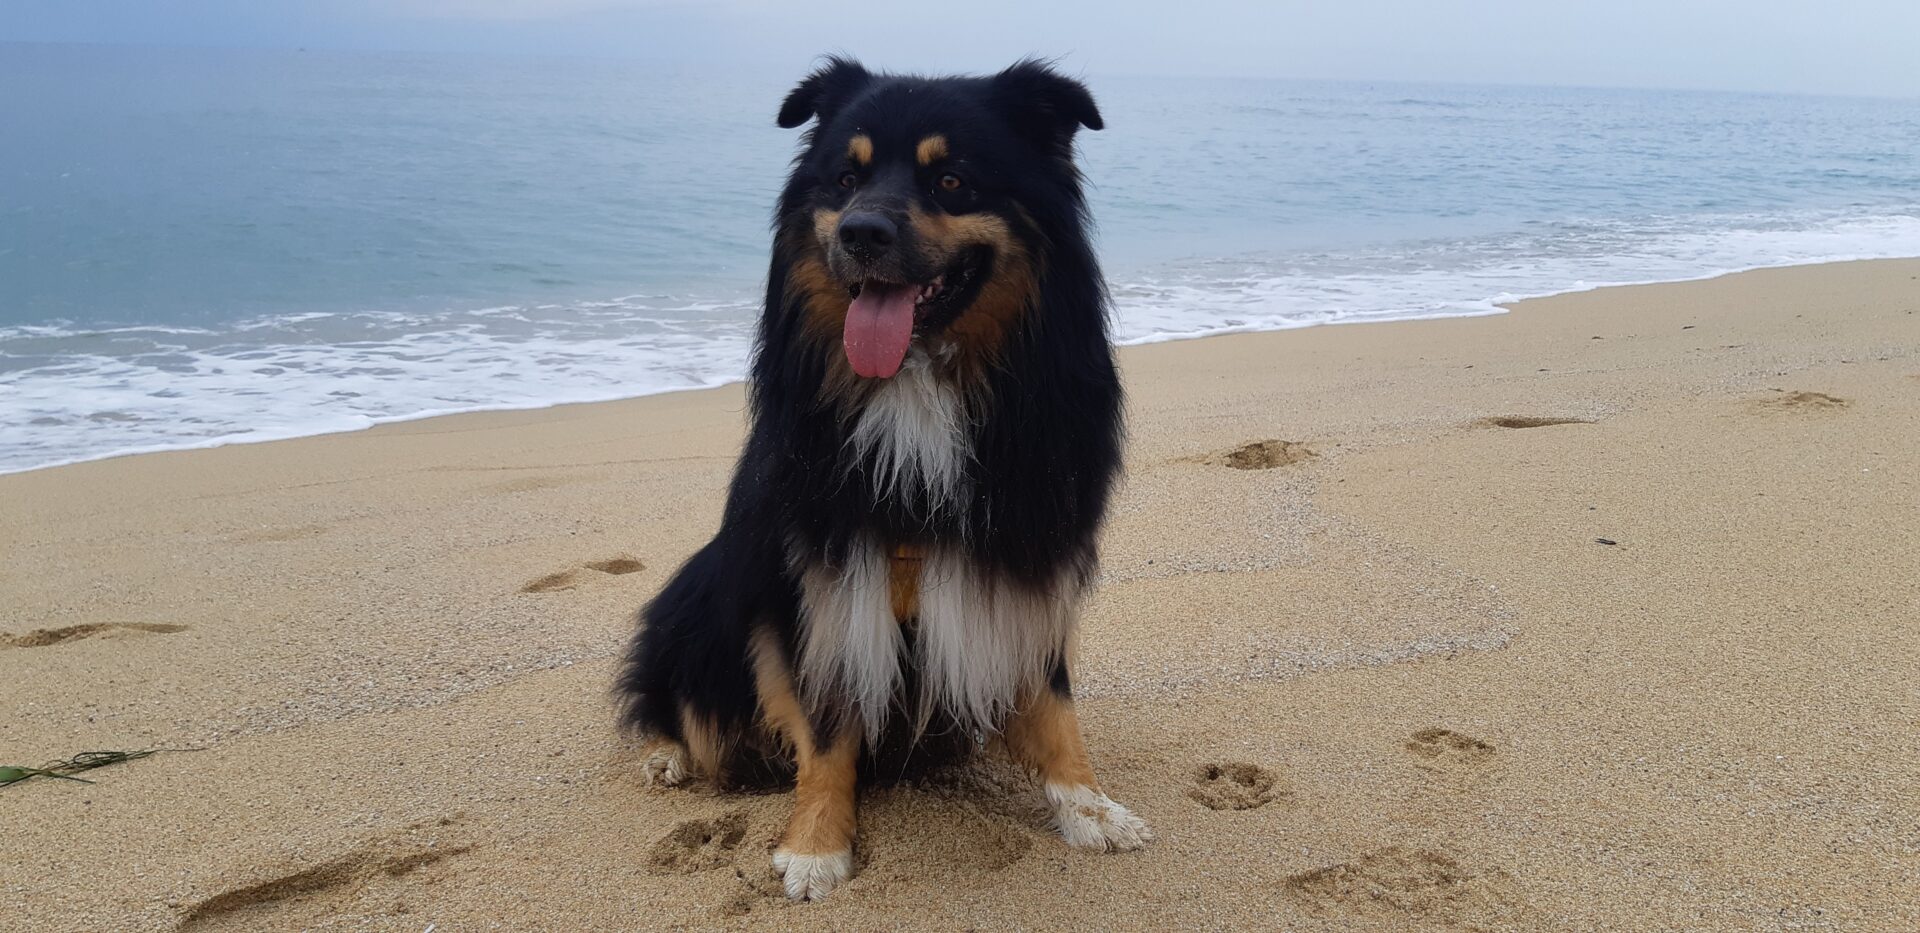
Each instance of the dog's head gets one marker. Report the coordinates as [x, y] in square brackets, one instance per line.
[918, 209]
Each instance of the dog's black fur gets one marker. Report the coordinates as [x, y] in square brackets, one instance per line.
[1045, 417]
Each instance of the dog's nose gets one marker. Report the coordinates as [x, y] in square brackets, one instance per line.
[867, 234]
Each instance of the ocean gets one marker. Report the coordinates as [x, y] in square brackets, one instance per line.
[207, 247]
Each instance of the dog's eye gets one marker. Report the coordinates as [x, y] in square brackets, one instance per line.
[951, 182]
[848, 179]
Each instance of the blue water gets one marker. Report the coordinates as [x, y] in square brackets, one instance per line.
[204, 247]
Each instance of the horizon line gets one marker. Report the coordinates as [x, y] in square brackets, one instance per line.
[1216, 76]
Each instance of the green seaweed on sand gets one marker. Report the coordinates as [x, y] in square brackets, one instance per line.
[65, 769]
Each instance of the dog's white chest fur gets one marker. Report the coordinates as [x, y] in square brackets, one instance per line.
[913, 436]
[980, 640]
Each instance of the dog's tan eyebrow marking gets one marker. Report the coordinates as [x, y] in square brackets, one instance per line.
[860, 149]
[931, 149]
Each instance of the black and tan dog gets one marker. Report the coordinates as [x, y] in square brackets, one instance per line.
[935, 430]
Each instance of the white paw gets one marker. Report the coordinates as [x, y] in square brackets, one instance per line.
[810, 877]
[1089, 819]
[665, 765]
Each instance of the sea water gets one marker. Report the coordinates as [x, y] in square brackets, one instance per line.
[205, 247]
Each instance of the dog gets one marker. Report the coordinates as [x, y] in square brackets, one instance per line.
[935, 429]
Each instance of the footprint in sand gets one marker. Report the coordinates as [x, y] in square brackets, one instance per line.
[1786, 401]
[572, 577]
[1449, 748]
[1234, 785]
[698, 845]
[1261, 455]
[760, 886]
[1397, 884]
[41, 638]
[1528, 421]
[300, 899]
[998, 837]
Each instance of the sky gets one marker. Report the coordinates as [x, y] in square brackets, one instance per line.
[1864, 47]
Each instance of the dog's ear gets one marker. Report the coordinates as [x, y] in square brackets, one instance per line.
[1047, 107]
[823, 91]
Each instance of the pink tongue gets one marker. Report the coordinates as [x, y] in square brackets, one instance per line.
[879, 327]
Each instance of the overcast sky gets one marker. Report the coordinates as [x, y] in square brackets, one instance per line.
[1845, 47]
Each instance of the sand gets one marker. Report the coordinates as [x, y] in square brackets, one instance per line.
[1596, 615]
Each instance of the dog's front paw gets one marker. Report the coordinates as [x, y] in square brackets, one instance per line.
[1089, 819]
[810, 877]
[665, 765]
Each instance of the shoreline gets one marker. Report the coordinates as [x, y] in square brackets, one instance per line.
[1593, 615]
[1497, 305]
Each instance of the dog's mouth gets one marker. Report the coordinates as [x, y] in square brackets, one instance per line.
[882, 316]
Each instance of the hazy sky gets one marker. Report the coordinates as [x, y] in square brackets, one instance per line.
[1845, 47]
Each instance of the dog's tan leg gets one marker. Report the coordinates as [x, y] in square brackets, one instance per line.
[1044, 735]
[816, 853]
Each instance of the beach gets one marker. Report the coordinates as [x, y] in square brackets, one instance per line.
[1598, 614]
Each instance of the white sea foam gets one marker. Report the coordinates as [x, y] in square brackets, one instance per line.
[1463, 278]
[70, 394]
